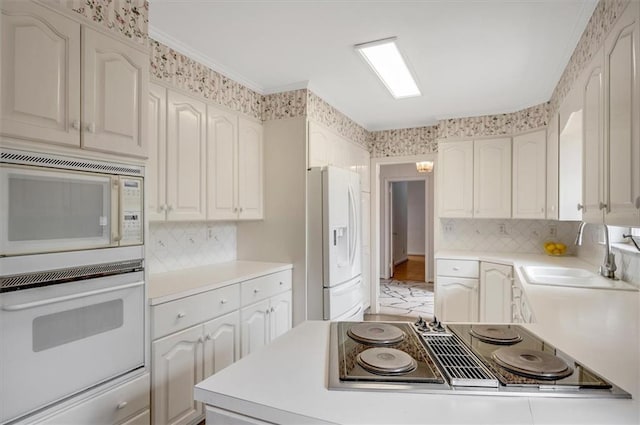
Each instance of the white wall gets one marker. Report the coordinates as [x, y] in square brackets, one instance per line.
[400, 221]
[415, 218]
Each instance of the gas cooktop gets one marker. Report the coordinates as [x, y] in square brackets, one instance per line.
[465, 358]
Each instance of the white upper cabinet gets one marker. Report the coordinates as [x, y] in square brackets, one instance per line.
[57, 89]
[569, 164]
[529, 175]
[155, 172]
[40, 75]
[318, 145]
[222, 154]
[622, 119]
[553, 134]
[186, 158]
[455, 180]
[114, 92]
[492, 178]
[250, 172]
[593, 143]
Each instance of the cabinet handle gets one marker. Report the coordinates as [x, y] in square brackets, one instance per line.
[91, 128]
[255, 291]
[75, 124]
[208, 337]
[580, 207]
[638, 203]
[602, 205]
[456, 269]
[235, 209]
[281, 283]
[268, 311]
[223, 301]
[240, 209]
[200, 340]
[122, 405]
[181, 315]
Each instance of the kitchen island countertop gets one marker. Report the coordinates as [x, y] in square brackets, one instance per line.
[286, 381]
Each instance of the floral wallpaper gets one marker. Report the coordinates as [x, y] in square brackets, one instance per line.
[322, 112]
[129, 18]
[183, 72]
[604, 16]
[288, 104]
[403, 142]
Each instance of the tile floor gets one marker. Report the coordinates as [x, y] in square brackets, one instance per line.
[407, 298]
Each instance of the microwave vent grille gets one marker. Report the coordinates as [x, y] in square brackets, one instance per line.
[52, 161]
[52, 277]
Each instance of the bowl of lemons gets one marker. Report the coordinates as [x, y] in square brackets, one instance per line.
[555, 248]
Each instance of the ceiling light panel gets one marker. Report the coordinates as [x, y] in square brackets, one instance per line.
[386, 61]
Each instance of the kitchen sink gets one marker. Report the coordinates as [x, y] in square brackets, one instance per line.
[571, 276]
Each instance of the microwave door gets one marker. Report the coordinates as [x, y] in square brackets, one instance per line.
[51, 210]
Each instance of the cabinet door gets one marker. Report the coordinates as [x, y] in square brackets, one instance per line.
[593, 144]
[318, 144]
[570, 148]
[280, 314]
[186, 158]
[221, 343]
[495, 292]
[222, 157]
[553, 135]
[254, 322]
[492, 178]
[250, 173]
[177, 368]
[365, 210]
[622, 119]
[456, 179]
[114, 96]
[457, 299]
[40, 73]
[529, 175]
[156, 171]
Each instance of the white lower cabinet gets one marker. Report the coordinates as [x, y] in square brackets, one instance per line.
[457, 288]
[199, 335]
[520, 310]
[264, 321]
[495, 292]
[183, 359]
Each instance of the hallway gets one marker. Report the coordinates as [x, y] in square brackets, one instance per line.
[412, 269]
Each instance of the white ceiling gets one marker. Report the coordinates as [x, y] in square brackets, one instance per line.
[472, 57]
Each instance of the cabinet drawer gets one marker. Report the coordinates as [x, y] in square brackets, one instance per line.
[458, 268]
[111, 407]
[265, 286]
[183, 313]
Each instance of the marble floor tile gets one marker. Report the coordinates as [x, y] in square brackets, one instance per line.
[406, 298]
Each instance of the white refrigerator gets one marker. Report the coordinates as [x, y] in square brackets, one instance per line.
[334, 281]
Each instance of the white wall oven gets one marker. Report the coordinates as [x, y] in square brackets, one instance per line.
[72, 292]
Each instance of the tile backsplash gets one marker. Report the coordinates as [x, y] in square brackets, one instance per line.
[521, 236]
[180, 245]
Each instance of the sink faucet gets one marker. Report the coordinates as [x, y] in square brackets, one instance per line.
[608, 267]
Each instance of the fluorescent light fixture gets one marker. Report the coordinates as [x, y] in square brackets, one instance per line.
[386, 61]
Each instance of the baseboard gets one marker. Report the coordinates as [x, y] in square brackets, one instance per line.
[400, 261]
[417, 253]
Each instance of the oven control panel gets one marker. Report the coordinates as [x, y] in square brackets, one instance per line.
[131, 204]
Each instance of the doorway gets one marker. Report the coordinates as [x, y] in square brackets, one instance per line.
[404, 242]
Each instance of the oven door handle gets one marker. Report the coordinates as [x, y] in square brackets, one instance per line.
[18, 307]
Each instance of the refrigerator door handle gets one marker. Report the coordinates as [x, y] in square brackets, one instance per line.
[353, 226]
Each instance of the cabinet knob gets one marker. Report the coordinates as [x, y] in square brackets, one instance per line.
[91, 127]
[638, 202]
[181, 315]
[235, 209]
[201, 340]
[122, 405]
[281, 283]
[602, 205]
[169, 207]
[542, 209]
[75, 124]
[255, 291]
[272, 309]
[580, 207]
[456, 269]
[208, 337]
[223, 301]
[240, 209]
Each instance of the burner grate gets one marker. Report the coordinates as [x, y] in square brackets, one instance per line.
[460, 366]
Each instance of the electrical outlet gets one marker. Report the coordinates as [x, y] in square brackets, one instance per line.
[213, 234]
[553, 231]
[448, 228]
[502, 229]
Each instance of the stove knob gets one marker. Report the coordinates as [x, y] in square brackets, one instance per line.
[434, 322]
[419, 322]
[439, 327]
[423, 327]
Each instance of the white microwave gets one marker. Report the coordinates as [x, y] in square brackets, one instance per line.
[50, 204]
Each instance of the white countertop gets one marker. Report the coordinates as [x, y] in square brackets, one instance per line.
[169, 286]
[286, 381]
